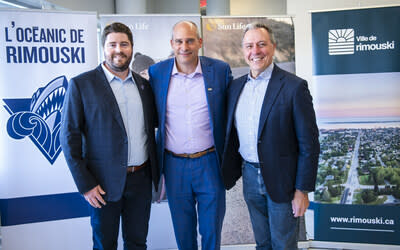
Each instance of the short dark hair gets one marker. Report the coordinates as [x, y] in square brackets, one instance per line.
[116, 28]
[253, 26]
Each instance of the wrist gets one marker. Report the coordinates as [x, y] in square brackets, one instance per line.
[303, 191]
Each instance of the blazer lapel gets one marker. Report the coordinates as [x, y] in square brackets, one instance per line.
[233, 98]
[141, 88]
[109, 96]
[208, 72]
[164, 89]
[274, 86]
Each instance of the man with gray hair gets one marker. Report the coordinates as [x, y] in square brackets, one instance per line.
[271, 141]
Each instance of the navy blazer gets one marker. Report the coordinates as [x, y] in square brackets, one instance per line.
[217, 76]
[288, 146]
[93, 136]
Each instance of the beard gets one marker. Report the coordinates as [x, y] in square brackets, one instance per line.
[116, 67]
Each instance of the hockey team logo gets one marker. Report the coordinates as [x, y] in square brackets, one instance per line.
[341, 41]
[39, 117]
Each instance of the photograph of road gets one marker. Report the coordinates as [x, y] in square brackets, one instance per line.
[359, 123]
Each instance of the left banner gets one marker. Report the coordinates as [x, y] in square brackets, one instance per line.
[39, 52]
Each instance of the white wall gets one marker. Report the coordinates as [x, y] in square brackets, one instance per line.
[100, 6]
[174, 6]
[302, 25]
[257, 7]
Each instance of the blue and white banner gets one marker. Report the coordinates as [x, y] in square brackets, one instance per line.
[356, 68]
[39, 52]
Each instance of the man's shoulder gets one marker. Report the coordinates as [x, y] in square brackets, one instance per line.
[213, 61]
[288, 75]
[162, 64]
[88, 74]
[237, 83]
[240, 79]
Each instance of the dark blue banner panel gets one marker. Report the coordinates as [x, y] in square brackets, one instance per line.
[354, 223]
[16, 211]
[356, 41]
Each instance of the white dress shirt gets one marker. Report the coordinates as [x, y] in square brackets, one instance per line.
[247, 114]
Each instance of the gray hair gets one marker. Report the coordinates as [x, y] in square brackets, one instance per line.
[188, 22]
[253, 26]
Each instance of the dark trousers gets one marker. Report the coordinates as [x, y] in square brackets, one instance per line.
[133, 209]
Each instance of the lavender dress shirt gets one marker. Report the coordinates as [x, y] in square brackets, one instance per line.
[187, 123]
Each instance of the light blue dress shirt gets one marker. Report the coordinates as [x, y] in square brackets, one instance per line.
[247, 114]
[130, 105]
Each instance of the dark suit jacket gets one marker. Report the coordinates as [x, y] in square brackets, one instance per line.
[217, 76]
[288, 146]
[93, 136]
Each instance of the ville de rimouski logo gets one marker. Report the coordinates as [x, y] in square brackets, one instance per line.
[341, 42]
[39, 117]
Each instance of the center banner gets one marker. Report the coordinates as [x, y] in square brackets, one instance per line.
[222, 39]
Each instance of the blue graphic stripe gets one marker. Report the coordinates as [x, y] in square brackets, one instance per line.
[16, 211]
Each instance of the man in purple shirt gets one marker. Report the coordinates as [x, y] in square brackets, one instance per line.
[190, 93]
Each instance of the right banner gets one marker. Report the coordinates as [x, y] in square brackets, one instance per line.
[356, 74]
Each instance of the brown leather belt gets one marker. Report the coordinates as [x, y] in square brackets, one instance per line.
[193, 155]
[131, 169]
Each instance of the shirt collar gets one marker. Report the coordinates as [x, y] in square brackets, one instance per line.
[110, 76]
[265, 75]
[197, 71]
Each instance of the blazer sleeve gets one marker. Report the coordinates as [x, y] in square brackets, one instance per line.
[73, 140]
[307, 136]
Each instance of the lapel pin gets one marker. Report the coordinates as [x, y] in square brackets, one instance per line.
[209, 89]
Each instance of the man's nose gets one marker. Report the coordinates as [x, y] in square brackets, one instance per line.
[118, 47]
[255, 49]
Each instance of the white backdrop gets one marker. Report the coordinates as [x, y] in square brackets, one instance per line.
[39, 52]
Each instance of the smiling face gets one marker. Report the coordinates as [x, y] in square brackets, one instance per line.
[186, 44]
[258, 50]
[117, 52]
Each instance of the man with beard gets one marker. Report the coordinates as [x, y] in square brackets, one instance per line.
[107, 135]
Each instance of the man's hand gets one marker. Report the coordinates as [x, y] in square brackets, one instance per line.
[94, 196]
[300, 203]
